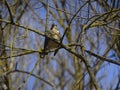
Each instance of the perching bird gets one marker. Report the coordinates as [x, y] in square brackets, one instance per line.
[49, 44]
[53, 33]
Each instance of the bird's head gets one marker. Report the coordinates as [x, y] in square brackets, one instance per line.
[55, 31]
[53, 26]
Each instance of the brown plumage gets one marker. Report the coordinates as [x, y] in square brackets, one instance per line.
[54, 33]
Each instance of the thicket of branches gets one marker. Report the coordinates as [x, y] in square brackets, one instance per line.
[89, 57]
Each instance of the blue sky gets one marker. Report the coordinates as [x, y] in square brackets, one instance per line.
[108, 70]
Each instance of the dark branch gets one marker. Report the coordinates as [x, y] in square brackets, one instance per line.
[25, 72]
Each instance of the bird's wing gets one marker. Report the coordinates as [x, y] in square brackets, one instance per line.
[48, 33]
[46, 43]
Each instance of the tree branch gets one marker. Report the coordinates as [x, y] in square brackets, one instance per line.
[103, 58]
[10, 11]
[36, 76]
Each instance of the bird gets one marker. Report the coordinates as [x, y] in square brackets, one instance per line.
[53, 33]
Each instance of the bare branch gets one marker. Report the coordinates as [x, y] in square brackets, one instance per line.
[25, 72]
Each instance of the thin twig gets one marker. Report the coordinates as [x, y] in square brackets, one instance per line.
[97, 17]
[22, 26]
[71, 21]
[10, 11]
[103, 58]
[47, 16]
[69, 24]
[41, 33]
[36, 76]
